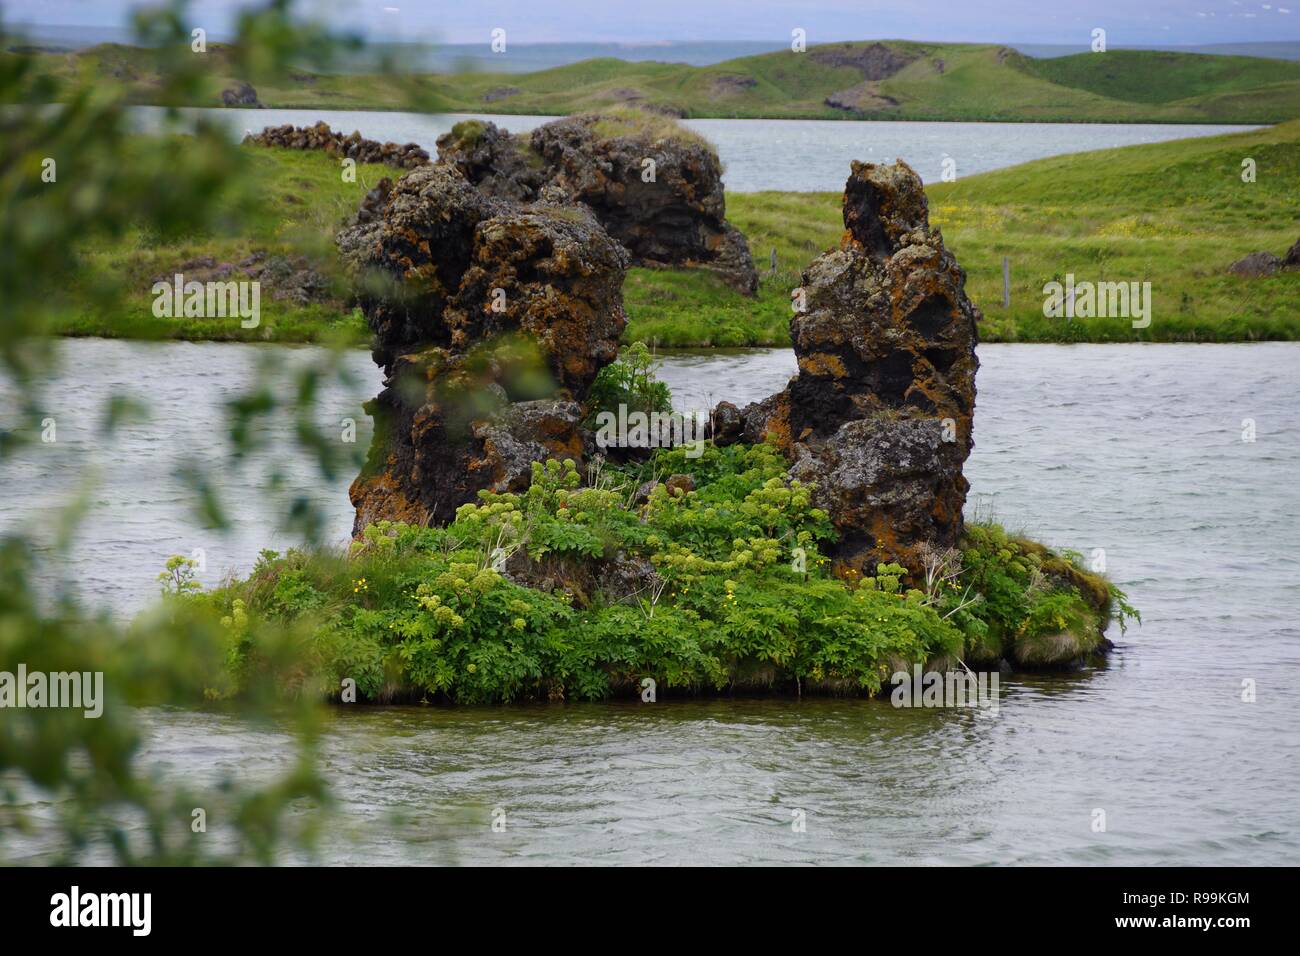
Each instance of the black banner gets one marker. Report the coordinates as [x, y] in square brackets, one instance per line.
[370, 905]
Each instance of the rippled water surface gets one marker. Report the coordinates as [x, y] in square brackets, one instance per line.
[1134, 449]
[788, 155]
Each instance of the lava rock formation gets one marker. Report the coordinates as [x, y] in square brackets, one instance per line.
[879, 415]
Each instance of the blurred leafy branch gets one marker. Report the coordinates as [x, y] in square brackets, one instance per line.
[68, 174]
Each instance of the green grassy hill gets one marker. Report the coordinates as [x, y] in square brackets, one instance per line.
[1148, 76]
[865, 80]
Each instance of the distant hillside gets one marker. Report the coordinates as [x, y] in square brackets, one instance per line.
[866, 80]
[1265, 49]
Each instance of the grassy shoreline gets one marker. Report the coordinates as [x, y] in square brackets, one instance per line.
[1175, 214]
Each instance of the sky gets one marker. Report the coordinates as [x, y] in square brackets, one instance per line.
[1127, 22]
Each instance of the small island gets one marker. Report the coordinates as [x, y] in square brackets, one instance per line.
[815, 543]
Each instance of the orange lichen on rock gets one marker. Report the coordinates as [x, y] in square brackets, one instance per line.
[821, 363]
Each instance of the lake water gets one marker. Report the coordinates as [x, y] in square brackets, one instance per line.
[1134, 449]
[787, 155]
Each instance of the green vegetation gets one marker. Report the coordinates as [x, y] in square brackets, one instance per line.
[908, 80]
[720, 598]
[1162, 77]
[621, 121]
[629, 381]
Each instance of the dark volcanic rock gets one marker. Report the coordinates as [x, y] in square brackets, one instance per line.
[1292, 258]
[766, 420]
[879, 415]
[679, 485]
[725, 424]
[562, 278]
[241, 94]
[447, 434]
[1255, 265]
[1259, 264]
[498, 163]
[411, 259]
[525, 432]
[677, 218]
[491, 320]
[500, 93]
[875, 61]
[372, 206]
[351, 146]
[730, 84]
[860, 98]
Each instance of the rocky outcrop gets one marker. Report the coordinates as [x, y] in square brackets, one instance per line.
[727, 85]
[674, 217]
[500, 93]
[241, 94]
[874, 61]
[1256, 265]
[493, 316]
[373, 203]
[861, 98]
[1292, 258]
[726, 426]
[351, 146]
[498, 163]
[491, 320]
[654, 187]
[879, 415]
[1259, 264]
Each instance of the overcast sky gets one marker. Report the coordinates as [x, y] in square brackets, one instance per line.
[1127, 22]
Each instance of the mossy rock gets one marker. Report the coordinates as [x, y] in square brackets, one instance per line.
[468, 132]
[1059, 632]
[1056, 649]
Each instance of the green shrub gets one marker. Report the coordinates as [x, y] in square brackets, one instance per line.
[630, 381]
[1024, 601]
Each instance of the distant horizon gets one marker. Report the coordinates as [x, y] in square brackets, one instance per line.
[548, 53]
[1153, 24]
